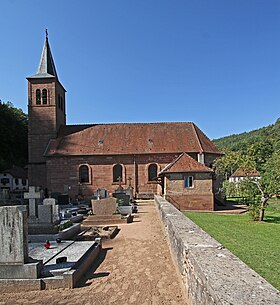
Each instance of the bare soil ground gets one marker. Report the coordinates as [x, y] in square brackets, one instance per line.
[134, 268]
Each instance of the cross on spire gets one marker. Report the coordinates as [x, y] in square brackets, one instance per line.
[47, 34]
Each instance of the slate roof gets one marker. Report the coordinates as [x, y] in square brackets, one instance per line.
[16, 172]
[184, 163]
[245, 173]
[46, 68]
[130, 138]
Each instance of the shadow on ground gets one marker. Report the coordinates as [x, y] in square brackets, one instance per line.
[272, 219]
[90, 274]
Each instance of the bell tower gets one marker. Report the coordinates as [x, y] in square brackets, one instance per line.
[46, 114]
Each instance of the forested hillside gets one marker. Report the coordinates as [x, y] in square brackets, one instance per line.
[13, 136]
[266, 136]
[257, 146]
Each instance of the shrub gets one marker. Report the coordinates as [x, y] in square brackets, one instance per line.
[65, 225]
[254, 211]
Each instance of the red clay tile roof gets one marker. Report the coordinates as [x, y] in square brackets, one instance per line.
[130, 138]
[243, 173]
[185, 163]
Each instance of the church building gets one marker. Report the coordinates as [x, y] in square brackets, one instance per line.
[79, 159]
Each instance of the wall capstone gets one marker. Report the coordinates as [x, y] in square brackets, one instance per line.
[211, 274]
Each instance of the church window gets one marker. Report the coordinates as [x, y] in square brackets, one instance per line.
[44, 96]
[84, 174]
[188, 181]
[117, 173]
[152, 172]
[16, 181]
[23, 181]
[38, 97]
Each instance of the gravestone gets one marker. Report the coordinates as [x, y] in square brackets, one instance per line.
[63, 199]
[14, 261]
[45, 214]
[100, 194]
[122, 199]
[55, 209]
[5, 194]
[32, 195]
[13, 235]
[105, 206]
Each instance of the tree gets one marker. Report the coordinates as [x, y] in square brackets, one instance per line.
[269, 183]
[13, 135]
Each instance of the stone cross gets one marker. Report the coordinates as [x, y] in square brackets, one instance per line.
[32, 195]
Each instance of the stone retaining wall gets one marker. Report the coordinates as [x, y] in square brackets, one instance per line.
[211, 274]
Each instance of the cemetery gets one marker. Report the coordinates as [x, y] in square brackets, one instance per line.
[49, 243]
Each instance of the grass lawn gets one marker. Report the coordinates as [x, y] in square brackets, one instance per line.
[256, 244]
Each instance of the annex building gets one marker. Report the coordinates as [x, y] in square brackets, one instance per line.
[174, 159]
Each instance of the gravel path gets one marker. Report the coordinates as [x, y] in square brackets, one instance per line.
[134, 268]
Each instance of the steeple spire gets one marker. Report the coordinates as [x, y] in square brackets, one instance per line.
[46, 68]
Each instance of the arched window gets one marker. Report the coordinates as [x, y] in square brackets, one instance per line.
[84, 174]
[117, 173]
[44, 96]
[152, 172]
[38, 97]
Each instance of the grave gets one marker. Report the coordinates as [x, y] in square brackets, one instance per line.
[104, 213]
[44, 218]
[32, 196]
[63, 199]
[30, 266]
[14, 260]
[71, 214]
[125, 200]
[106, 232]
[100, 194]
[55, 209]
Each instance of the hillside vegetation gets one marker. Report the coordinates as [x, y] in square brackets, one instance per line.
[268, 136]
[13, 135]
[257, 147]
[256, 150]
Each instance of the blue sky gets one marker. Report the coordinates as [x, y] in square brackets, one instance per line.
[212, 62]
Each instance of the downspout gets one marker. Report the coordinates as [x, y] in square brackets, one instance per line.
[135, 176]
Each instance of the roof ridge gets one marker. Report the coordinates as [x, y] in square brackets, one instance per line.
[172, 162]
[128, 123]
[196, 134]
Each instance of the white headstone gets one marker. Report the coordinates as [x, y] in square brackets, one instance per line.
[55, 208]
[13, 235]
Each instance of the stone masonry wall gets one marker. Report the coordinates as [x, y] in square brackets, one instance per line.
[63, 172]
[211, 274]
[199, 197]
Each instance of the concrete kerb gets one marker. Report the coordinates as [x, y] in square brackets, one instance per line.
[211, 274]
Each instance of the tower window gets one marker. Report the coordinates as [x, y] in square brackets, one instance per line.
[117, 173]
[152, 172]
[38, 97]
[44, 96]
[84, 174]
